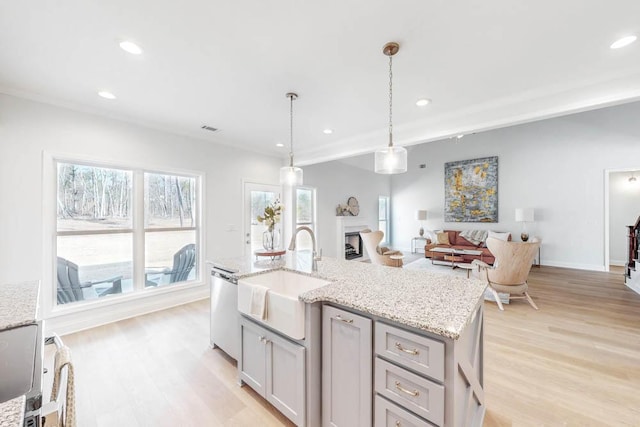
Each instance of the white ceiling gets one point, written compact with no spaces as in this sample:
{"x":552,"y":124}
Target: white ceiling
{"x":228,"y":64}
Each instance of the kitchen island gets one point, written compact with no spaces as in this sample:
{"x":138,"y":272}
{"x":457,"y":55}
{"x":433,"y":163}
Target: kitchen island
{"x":18,"y":307}
{"x":421,"y":338}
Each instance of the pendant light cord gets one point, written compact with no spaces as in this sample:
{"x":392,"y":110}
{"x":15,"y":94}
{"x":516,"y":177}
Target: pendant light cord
{"x":390,"y":101}
{"x":291,"y":132}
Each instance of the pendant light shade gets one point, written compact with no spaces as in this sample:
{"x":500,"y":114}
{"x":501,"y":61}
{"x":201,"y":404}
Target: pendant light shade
{"x":291,"y":175}
{"x":392,"y":159}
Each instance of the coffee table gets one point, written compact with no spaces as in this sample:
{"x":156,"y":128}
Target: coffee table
{"x":453,"y":256}
{"x":466,"y":266}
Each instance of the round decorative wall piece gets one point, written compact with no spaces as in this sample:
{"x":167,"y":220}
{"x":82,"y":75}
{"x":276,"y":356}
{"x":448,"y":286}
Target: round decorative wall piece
{"x":354,"y":207}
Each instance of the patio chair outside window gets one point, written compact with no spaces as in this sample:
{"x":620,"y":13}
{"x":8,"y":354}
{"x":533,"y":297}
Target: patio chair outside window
{"x":183,"y":262}
{"x":70,"y":289}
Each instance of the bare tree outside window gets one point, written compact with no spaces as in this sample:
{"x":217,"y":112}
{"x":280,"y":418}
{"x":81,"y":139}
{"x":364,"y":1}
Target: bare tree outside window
{"x":95,"y":230}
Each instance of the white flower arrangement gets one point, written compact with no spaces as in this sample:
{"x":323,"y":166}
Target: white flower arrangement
{"x":271,"y":215}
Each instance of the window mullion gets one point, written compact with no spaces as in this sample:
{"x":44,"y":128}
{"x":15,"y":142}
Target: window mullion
{"x":138,"y":230}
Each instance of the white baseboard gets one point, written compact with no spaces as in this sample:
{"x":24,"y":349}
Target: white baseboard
{"x":617,"y":262}
{"x":68,"y":323}
{"x":575,"y":266}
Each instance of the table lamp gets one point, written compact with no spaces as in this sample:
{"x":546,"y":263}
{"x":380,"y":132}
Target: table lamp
{"x":421,"y":215}
{"x":524,"y":215}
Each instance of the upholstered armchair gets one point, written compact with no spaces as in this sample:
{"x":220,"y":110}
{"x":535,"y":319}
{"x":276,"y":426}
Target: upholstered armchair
{"x":379,"y":254}
{"x":510,"y":269}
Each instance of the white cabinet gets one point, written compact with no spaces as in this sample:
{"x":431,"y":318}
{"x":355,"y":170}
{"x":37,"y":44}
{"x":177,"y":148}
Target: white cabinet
{"x":424,"y":394}
{"x":421,"y":379}
{"x":275,"y":368}
{"x":389,"y":415}
{"x":410,"y":391}
{"x":346,"y":369}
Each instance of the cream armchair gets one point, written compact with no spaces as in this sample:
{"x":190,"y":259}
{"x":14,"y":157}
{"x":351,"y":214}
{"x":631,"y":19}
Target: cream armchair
{"x":511,"y":268}
{"x":379,"y":254}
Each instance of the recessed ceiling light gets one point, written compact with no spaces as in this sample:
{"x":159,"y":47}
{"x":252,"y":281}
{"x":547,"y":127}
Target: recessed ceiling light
{"x":280,"y":144}
{"x":422,"y":102}
{"x":131,"y":47}
{"x":625,"y":41}
{"x":107,"y":95}
{"x":327,"y":131}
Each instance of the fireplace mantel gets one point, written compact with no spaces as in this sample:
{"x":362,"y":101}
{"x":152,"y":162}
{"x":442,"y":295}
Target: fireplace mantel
{"x":349,"y":224}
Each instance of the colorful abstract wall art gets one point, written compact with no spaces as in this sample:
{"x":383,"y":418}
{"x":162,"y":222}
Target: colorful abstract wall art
{"x":471,"y":190}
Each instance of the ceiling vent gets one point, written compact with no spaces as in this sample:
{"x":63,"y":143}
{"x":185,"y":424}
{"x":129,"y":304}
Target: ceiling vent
{"x":209,"y":128}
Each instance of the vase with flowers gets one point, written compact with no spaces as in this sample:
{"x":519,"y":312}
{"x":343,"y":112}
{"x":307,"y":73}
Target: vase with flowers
{"x":270,"y":217}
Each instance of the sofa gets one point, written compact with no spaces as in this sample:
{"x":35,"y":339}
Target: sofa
{"x":458,"y":242}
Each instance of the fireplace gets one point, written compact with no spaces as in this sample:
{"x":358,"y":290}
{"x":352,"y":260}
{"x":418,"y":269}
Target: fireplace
{"x":348,"y":230}
{"x":352,"y":245}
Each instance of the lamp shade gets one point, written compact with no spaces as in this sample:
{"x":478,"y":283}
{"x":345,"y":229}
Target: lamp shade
{"x":391,"y":160}
{"x":421,"y":215}
{"x":524,"y":215}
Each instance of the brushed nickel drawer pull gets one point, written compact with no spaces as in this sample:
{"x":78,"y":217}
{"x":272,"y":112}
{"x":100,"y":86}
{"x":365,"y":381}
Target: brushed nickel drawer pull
{"x":338,"y":317}
{"x":413,"y":352}
{"x":413,"y":393}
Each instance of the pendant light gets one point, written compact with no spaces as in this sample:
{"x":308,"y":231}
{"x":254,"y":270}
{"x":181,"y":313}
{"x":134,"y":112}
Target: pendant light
{"x":291,"y":175}
{"x":392,"y":159}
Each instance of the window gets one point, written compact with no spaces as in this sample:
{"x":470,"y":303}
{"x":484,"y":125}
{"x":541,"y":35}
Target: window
{"x":305,"y":215}
{"x":383,"y":217}
{"x":170,"y":229}
{"x":103,"y":248}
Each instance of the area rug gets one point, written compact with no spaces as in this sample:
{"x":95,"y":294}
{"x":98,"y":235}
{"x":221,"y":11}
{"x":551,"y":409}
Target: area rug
{"x":426,"y":265}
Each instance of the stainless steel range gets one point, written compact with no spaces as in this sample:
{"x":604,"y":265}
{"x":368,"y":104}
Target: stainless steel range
{"x":21,"y":369}
{"x":22,"y":372}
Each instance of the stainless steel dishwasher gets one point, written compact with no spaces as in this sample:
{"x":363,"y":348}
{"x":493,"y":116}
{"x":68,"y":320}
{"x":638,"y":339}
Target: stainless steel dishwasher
{"x":225,"y":320}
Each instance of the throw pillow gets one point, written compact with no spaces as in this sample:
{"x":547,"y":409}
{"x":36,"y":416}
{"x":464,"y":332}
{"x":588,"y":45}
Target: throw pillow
{"x":390,"y":252}
{"x":432,"y":235}
{"x":382,"y":249}
{"x":500,"y":236}
{"x":443,"y":238}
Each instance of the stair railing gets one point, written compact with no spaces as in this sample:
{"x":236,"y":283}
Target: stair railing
{"x":632,"y":256}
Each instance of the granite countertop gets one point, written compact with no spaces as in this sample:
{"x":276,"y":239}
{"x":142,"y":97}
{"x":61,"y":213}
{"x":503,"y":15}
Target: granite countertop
{"x":18,"y":306}
{"x":433,"y":302}
{"x":12,"y":412}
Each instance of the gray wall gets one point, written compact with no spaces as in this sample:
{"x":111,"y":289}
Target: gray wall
{"x":556,"y":166}
{"x":335,"y":182}
{"x":624,"y":209}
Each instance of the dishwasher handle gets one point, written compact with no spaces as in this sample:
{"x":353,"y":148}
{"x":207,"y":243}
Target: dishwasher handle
{"x":224,"y":275}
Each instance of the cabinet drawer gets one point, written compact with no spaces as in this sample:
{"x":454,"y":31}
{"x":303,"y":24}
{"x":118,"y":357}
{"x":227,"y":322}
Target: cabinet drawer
{"x":419,"y":395}
{"x":416,"y":352}
{"x":388,"y":414}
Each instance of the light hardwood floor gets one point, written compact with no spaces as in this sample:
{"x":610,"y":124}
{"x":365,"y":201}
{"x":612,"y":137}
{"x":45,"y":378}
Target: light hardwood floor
{"x":575,"y":362}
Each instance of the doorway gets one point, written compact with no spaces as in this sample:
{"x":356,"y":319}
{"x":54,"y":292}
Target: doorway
{"x":622,"y":207}
{"x":256,"y":198}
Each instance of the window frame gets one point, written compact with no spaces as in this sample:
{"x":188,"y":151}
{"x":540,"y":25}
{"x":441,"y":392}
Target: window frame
{"x":50,"y":307}
{"x":387,"y":231}
{"x":314,"y":219}
{"x":313,"y":224}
